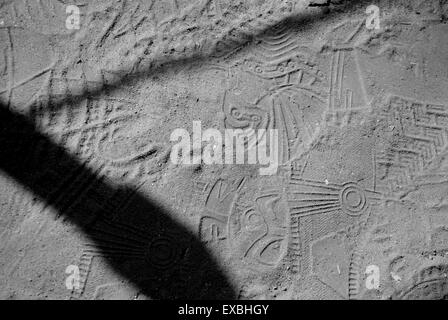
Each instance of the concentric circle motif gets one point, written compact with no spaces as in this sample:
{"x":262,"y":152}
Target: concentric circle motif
{"x":162,"y":253}
{"x":352,"y":199}
{"x":253,"y":220}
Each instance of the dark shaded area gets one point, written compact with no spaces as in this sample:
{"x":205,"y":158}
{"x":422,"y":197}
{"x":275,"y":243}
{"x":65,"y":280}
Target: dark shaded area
{"x":142,"y":242}
{"x":138,"y":238}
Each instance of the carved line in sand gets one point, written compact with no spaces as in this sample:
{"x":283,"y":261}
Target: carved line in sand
{"x":10,"y":66}
{"x":311,"y":197}
{"x":291,"y":79}
{"x":260,"y":231}
{"x":430,"y":283}
{"x":255,"y":232}
{"x":90,"y":127}
{"x":213,"y":225}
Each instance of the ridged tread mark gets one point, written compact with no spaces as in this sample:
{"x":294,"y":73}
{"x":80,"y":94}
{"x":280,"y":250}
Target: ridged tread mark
{"x":354,"y":276}
{"x":423,"y":129}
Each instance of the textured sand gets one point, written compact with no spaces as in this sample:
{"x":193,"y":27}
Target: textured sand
{"x":86,"y":178}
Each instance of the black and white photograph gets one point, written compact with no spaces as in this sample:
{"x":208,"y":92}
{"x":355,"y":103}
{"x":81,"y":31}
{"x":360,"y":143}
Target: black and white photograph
{"x":224,"y":150}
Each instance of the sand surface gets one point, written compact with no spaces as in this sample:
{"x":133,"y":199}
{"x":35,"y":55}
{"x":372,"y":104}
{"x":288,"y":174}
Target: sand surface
{"x":93,"y":207}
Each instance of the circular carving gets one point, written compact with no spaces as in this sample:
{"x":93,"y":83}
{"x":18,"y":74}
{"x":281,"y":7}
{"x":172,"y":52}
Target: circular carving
{"x":352,"y":199}
{"x":253,"y":220}
{"x":162,"y":253}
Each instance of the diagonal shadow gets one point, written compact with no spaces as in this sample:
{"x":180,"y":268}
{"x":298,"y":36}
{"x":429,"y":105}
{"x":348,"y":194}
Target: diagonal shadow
{"x":138,"y":238}
{"x":142,"y":244}
{"x":226,"y":45}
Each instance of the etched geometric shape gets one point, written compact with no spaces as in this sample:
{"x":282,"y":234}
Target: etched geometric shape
{"x":258,"y":230}
{"x":423,"y":138}
{"x":213,"y":225}
{"x":315,"y":197}
{"x":347,"y":91}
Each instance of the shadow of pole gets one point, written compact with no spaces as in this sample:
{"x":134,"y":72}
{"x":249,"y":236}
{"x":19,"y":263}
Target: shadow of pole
{"x":143,"y":244}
